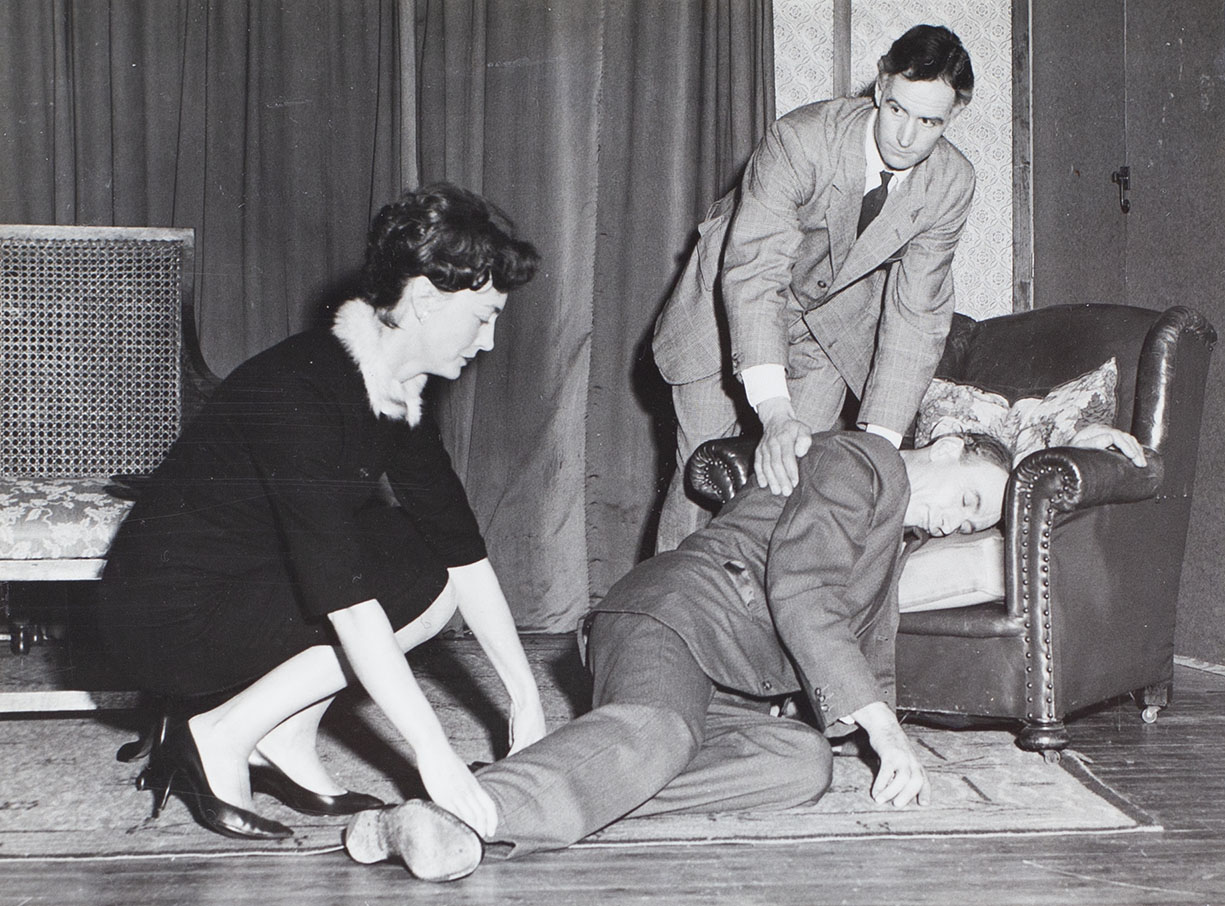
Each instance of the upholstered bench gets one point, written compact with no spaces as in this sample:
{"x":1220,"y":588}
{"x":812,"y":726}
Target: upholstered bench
{"x":71,"y":521}
{"x":101,"y":368}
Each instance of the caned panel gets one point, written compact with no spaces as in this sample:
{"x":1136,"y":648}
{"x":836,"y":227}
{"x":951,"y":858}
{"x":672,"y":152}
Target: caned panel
{"x":90,"y":345}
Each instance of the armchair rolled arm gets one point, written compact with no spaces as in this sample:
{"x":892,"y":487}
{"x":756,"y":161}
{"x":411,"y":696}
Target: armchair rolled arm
{"x":1046,"y":484}
{"x":721,"y":467}
{"x":1072,"y":478}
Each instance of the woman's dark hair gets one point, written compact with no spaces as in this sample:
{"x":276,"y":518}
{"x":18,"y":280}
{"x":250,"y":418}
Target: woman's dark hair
{"x":929,"y":52}
{"x":449,"y":235}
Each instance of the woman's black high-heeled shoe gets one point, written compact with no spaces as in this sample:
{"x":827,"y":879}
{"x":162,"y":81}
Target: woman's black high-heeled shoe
{"x":175,"y":767}
{"x":274,"y":782}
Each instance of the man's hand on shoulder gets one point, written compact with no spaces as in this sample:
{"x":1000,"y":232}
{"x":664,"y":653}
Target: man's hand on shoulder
{"x":784,"y":440}
{"x":901,"y":777}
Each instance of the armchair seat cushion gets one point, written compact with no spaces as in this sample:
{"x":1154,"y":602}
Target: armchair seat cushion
{"x":58,"y":519}
{"x":954,"y":571}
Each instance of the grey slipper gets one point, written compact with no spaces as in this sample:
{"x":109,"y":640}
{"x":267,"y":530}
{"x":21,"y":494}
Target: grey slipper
{"x":433,"y":844}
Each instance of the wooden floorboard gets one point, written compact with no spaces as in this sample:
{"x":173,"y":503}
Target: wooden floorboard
{"x":1174,"y":769}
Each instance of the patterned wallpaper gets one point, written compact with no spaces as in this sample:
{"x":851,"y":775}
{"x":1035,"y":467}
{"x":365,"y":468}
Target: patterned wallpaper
{"x":803,"y":59}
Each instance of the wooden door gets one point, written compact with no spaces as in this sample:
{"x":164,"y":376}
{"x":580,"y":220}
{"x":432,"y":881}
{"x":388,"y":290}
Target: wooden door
{"x":1078,"y":134}
{"x":1176,"y":249}
{"x":1176,"y":149}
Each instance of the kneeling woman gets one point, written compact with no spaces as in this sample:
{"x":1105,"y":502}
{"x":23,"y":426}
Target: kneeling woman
{"x":264,"y":563}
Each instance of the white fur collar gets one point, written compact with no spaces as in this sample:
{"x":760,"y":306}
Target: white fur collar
{"x":357,"y":327}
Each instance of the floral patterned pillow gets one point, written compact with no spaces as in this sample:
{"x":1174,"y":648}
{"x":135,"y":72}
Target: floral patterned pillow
{"x":952,"y":408}
{"x":1026,"y":425}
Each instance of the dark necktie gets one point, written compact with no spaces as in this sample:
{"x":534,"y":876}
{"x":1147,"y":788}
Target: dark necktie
{"x":874,"y":201}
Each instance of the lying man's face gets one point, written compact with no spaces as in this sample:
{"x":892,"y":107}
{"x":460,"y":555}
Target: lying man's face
{"x":950,"y":492}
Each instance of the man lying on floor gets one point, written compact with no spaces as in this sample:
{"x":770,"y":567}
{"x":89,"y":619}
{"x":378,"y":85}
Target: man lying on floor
{"x":776,"y":595}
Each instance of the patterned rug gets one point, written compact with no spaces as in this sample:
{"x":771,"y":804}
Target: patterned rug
{"x":64,"y":795}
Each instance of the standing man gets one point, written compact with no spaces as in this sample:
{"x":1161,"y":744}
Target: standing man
{"x":831,"y":271}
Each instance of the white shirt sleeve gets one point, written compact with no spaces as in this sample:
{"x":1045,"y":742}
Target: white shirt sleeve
{"x":887,"y":433}
{"x":763,"y":382}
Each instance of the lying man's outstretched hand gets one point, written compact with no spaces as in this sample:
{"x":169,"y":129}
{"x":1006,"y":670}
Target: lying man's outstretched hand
{"x":901,"y":777}
{"x":1103,"y":437}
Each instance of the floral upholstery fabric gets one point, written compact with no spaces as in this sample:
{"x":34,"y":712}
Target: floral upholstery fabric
{"x":58,"y":519}
{"x":1028,"y":424}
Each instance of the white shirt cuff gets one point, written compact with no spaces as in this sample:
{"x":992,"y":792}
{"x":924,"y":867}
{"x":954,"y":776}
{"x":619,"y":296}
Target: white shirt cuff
{"x":888,"y":434}
{"x":763,"y":382}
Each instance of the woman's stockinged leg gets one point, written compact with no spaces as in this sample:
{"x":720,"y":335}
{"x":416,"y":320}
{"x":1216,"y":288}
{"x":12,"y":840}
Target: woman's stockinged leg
{"x":279,"y":714}
{"x":292,"y":744}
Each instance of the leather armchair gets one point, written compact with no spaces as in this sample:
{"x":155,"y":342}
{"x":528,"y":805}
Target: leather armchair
{"x":1093,"y":545}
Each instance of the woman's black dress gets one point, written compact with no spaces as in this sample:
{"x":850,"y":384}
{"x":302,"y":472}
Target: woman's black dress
{"x":267,"y":514}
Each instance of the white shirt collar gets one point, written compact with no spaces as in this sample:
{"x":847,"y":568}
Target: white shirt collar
{"x":873,"y":163}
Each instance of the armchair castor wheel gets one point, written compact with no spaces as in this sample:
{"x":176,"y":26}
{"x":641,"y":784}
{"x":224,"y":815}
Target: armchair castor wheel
{"x":1153,"y":700}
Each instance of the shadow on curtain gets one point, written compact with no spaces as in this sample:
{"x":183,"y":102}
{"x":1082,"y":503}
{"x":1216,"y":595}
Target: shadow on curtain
{"x":605,"y":128}
{"x":272,"y":129}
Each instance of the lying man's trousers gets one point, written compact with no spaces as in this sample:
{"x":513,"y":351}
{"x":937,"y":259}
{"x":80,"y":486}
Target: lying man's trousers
{"x":660,"y":739}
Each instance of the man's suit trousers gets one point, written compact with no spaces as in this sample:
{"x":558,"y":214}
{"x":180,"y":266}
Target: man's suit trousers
{"x":660,"y":738}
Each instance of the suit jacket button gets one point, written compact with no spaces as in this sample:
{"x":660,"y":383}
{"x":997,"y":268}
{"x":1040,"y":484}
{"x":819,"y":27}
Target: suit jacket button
{"x":767,"y":685}
{"x":822,"y":284}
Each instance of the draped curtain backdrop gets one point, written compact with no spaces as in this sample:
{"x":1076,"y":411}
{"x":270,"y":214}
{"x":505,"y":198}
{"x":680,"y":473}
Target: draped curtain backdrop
{"x":604,"y":128}
{"x":275,"y":129}
{"x":272,"y":129}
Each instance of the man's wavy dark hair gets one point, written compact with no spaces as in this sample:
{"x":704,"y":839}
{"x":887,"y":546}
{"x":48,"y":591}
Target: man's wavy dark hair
{"x":929,"y":52}
{"x":449,"y":235}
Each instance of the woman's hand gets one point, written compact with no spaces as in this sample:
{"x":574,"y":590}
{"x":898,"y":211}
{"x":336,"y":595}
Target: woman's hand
{"x":1103,"y":437}
{"x":374,"y":654}
{"x":483,"y":607}
{"x":452,"y":786}
{"x":526,"y":725}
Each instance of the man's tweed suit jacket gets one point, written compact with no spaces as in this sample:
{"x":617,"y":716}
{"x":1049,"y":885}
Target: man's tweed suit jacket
{"x":792,"y":271}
